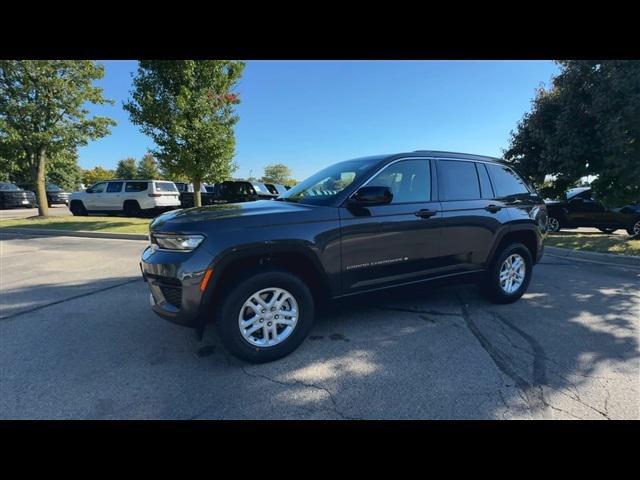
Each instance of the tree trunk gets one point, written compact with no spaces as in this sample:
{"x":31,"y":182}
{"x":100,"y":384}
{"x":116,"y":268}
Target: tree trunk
{"x":41,"y":191}
{"x":197,"y":199}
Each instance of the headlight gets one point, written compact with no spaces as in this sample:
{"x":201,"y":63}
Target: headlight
{"x":168,"y":241}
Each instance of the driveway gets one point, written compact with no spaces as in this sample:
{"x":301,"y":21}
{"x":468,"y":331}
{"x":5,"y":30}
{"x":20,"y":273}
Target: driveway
{"x":78,"y":341}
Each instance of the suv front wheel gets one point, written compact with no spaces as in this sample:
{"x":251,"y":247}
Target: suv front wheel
{"x":509,"y":275}
{"x":265,"y":317}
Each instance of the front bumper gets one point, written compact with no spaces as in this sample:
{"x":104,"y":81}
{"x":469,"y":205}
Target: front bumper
{"x":174,"y":280}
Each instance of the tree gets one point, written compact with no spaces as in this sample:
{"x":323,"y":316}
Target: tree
{"x":127,"y":168}
{"x":147,"y":168}
{"x":42,"y":111}
{"x":587,"y":123}
{"x":278,"y":173}
{"x":187,"y":108}
{"x":96,"y":174}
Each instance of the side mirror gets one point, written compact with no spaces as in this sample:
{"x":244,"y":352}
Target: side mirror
{"x":88,"y":190}
{"x":371,"y":196}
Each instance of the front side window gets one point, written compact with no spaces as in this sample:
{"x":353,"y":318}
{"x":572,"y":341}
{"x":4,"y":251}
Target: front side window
{"x":98,"y":188}
{"x":135,"y":186}
{"x":458,"y":180}
{"x":409,"y":181}
{"x":505,"y":181}
{"x":114,"y":187}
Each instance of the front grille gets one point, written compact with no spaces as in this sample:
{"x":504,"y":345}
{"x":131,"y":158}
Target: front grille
{"x":172,"y":295}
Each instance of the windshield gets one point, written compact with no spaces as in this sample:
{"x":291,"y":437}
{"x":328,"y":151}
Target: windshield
{"x":322,"y":188}
{"x":7,"y":187}
{"x":52,"y":188}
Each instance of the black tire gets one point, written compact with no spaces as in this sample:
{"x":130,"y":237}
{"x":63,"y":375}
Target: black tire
{"x":607,"y":230}
{"x":490,"y":285}
{"x":634,"y":228}
{"x":77,"y":208}
{"x":553,"y":224}
{"x":131,"y":208}
{"x":227,"y":315}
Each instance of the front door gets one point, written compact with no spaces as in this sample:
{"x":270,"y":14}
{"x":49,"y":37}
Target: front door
{"x":397,"y":242}
{"x":95,"y":198}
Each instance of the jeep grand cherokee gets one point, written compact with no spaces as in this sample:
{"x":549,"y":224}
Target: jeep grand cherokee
{"x":257,"y":270}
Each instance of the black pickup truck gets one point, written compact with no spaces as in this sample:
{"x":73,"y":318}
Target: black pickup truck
{"x":232,"y":191}
{"x":258,"y":269}
{"x":13,"y":196}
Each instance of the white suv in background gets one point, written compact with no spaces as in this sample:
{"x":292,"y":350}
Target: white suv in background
{"x":133,"y":197}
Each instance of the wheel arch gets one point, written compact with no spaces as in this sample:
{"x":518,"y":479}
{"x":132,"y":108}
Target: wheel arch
{"x":296,"y":260}
{"x":527,"y":236}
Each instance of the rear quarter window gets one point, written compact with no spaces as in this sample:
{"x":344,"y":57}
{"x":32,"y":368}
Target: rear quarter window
{"x":506,"y":182}
{"x":136,"y":186}
{"x":165,"y":187}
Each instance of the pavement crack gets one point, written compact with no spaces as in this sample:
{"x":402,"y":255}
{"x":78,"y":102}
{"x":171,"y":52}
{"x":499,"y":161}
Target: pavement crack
{"x":415,"y":310}
{"x":74,"y":297}
{"x":308,"y":385}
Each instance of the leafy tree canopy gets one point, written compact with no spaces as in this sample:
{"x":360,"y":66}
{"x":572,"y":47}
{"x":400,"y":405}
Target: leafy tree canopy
{"x":187,"y":108}
{"x":148,"y":168}
{"x":278,"y":173}
{"x":43,"y":111}
{"x":586,"y":123}
{"x":97,"y":174}
{"x":127,"y":169}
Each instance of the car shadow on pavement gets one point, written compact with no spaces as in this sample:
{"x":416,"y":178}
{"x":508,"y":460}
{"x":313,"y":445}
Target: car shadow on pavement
{"x":567,"y":349}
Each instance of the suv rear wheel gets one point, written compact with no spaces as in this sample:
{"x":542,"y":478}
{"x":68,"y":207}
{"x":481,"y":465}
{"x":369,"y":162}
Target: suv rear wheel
{"x":265,"y":317}
{"x":553,"y":224}
{"x":634,"y":228}
{"x":131,"y":208}
{"x":77,"y":208}
{"x":509,"y":275}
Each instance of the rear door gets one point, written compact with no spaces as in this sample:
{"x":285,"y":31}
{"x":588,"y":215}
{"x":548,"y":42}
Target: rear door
{"x":113,"y":196}
{"x":472,"y":214}
{"x":395,"y":243}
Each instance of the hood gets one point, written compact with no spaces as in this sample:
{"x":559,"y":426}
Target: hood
{"x":240,"y":215}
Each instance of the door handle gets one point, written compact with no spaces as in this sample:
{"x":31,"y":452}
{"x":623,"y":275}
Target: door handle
{"x":425,"y":213}
{"x":493,"y":208}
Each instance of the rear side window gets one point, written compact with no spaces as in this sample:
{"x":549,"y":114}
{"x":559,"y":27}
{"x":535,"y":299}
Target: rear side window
{"x":135,"y":186}
{"x":114,"y":187}
{"x":165,"y":187}
{"x":271,"y":188}
{"x":485,"y":183}
{"x":505,"y":181}
{"x":458,"y":180}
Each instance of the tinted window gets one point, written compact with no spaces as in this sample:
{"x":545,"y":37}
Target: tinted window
{"x":505,"y":182}
{"x":135,"y":186}
{"x":271,"y":188}
{"x":8,"y":187}
{"x":409,"y":181}
{"x":458,"y":180}
{"x":98,"y":187}
{"x":114,"y":187}
{"x":165,"y":187}
{"x":485,"y":183}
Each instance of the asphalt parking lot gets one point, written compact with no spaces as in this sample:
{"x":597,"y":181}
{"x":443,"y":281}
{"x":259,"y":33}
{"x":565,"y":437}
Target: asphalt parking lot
{"x":55,"y":210}
{"x":78,"y":340}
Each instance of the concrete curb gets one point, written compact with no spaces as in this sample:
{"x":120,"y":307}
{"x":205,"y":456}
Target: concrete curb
{"x":593,"y":257}
{"x":68,"y":233}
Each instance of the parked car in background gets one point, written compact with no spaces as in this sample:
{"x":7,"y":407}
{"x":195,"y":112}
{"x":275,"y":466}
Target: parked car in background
{"x":55,"y":195}
{"x":257,"y":269}
{"x":276,"y":188}
{"x":186,"y":190}
{"x":132,"y":197}
{"x":263,"y":192}
{"x":13,"y":196}
{"x":581,"y":208}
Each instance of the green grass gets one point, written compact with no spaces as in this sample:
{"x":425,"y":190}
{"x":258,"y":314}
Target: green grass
{"x":87,"y":224}
{"x":594,"y":242}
